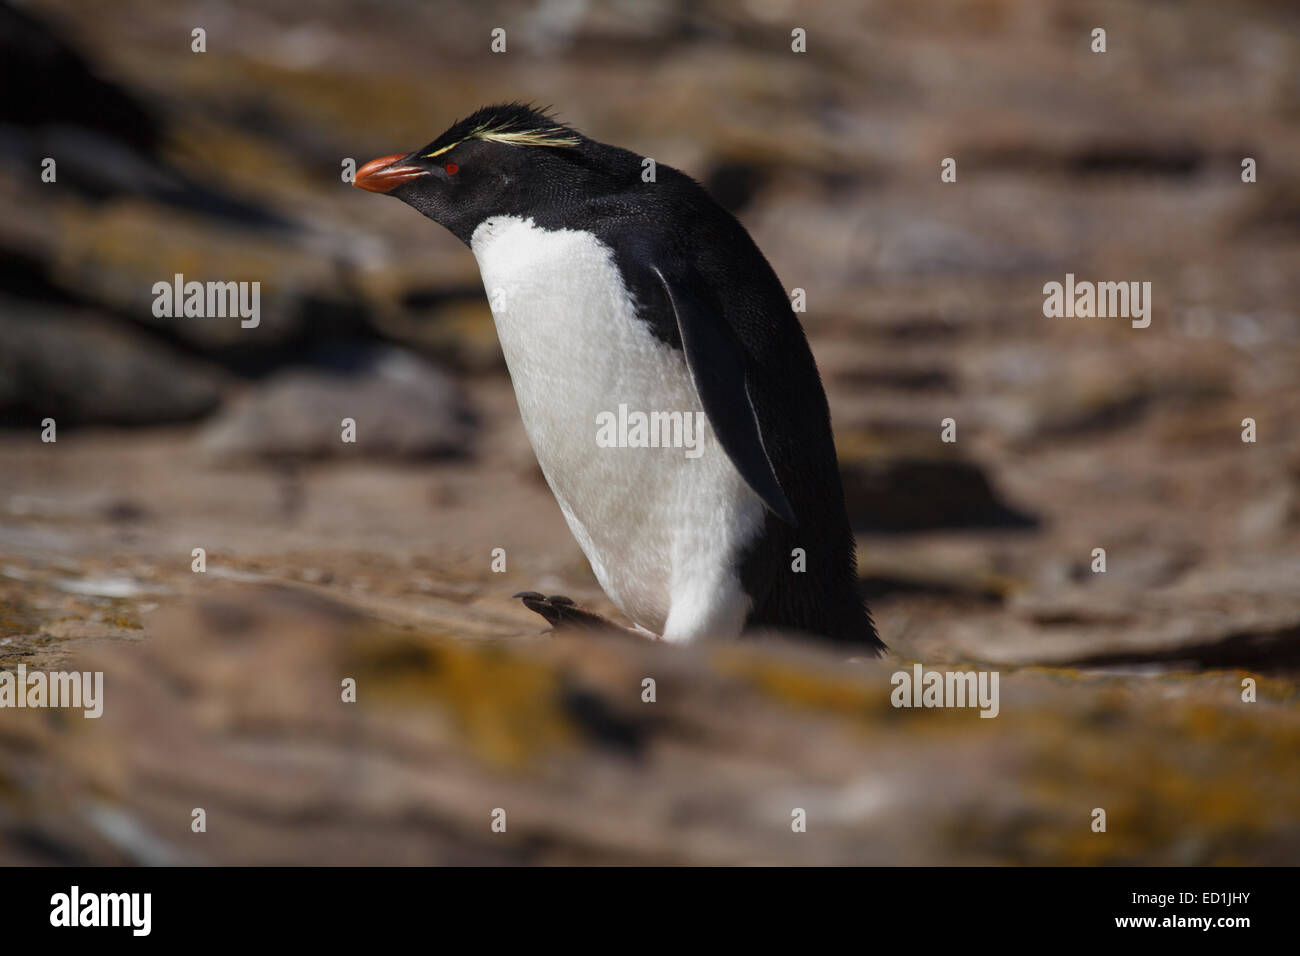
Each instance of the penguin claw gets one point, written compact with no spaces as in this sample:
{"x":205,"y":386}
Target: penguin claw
{"x":564,"y":615}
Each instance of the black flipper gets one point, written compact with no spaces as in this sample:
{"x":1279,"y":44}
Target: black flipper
{"x":717,"y":364}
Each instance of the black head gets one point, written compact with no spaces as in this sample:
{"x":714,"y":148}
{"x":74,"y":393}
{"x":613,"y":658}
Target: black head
{"x":502,"y":160}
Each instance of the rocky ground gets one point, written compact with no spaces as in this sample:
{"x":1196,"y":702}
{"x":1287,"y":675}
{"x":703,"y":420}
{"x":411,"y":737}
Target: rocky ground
{"x":1120,"y":690}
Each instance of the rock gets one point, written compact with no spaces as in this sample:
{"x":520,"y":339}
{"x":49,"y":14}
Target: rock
{"x":1066,"y":408}
{"x":917,"y":246}
{"x":444,"y":730}
{"x":885,"y":575}
{"x":63,"y":87}
{"x":110,"y":586}
{"x":403,"y":407}
{"x":79,"y":371}
{"x":455,"y":331}
{"x":1273,"y":517}
{"x":907,"y":493}
{"x":1100,"y":395}
{"x":115,"y":256}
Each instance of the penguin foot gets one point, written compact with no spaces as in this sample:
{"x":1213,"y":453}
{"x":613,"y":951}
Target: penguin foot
{"x":564,"y":615}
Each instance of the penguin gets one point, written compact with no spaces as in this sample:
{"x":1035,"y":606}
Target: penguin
{"x":623,"y":293}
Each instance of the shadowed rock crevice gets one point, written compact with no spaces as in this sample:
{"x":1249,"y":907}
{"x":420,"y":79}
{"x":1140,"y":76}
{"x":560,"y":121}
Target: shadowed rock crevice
{"x":1270,"y":651}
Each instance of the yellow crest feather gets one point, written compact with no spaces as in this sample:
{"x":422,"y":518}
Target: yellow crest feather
{"x":557,"y":136}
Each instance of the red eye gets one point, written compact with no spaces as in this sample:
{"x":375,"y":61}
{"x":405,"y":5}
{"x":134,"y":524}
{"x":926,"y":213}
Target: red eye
{"x":452,"y":169}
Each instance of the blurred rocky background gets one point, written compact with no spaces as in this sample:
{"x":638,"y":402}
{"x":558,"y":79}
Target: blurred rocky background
{"x":1119,"y":690}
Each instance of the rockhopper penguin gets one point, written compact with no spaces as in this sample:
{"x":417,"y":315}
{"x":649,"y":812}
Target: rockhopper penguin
{"x":609,"y":291}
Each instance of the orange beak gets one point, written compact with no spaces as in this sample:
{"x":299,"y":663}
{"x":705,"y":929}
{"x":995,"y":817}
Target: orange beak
{"x":381,"y":176}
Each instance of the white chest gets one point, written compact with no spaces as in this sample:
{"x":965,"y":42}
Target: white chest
{"x":661,"y":528}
